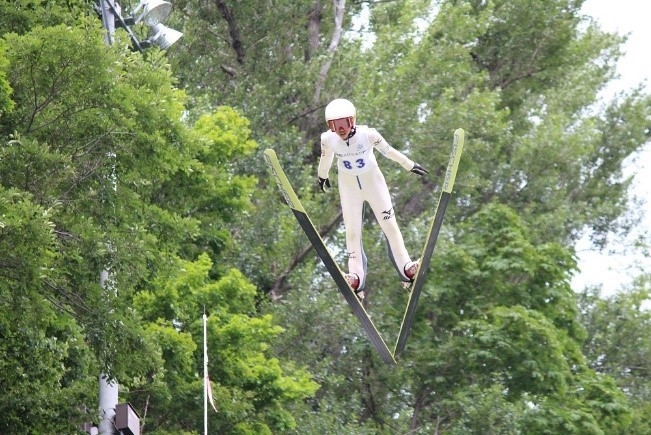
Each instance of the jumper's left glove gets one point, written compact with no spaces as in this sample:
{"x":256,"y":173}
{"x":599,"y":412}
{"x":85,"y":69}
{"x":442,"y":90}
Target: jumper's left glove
{"x":419,"y":170}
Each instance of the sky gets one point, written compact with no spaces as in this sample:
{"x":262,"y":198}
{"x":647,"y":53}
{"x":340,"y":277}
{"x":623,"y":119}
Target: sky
{"x":615,"y":268}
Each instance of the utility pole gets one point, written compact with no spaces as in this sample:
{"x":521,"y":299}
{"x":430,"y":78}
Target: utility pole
{"x":154,"y":11}
{"x":108,"y":391}
{"x":108,"y":18}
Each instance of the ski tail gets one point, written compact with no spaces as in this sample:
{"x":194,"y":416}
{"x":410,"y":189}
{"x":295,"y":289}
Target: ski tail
{"x":430,"y":243}
{"x":455,"y":158}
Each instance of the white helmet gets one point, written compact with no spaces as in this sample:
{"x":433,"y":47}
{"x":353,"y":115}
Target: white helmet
{"x":340,"y":108}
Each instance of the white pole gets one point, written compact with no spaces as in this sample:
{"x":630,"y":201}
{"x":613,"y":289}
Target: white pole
{"x":108,"y":391}
{"x":108,"y":18}
{"x":108,"y":400}
{"x":205,"y":376}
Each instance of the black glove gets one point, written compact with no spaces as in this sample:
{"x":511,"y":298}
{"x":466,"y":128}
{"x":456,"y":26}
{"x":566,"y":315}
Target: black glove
{"x":323,"y":183}
{"x":419,"y":170}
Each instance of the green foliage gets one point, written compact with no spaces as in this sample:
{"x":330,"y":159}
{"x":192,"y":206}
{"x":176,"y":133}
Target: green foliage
{"x":619,"y":343}
{"x":251,"y":389}
{"x":26,"y":239}
{"x":20,"y":16}
{"x":517,"y":347}
{"x":119,"y":162}
{"x":101,"y":175}
{"x":44,"y":361}
{"x":484,"y":410}
{"x":6,"y":103}
{"x":499,"y":265}
{"x":219,"y":189}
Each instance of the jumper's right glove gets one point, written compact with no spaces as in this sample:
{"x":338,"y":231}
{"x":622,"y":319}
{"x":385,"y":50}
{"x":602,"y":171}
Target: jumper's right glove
{"x":323,"y":183}
{"x":419,"y":170}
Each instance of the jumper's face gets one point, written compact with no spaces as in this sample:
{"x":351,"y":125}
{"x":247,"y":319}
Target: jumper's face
{"x":341,"y":126}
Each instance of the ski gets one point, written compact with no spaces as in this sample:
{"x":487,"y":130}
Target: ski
{"x":319,"y":246}
{"x":428,"y":250}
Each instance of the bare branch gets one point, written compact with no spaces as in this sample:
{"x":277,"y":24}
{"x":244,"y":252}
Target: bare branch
{"x":279,"y":288}
{"x":233,"y":31}
{"x":339,"y":6}
{"x":314,"y":29}
{"x":228,"y":70}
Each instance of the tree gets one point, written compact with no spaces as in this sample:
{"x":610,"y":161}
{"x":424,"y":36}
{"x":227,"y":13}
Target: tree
{"x":618,"y":343}
{"x":160,"y":181}
{"x":523,"y":82}
{"x":100,"y":171}
{"x":44,"y":361}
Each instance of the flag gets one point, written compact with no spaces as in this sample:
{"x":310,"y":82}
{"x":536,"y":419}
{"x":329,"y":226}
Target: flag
{"x":206,"y":380}
{"x":209,"y":392}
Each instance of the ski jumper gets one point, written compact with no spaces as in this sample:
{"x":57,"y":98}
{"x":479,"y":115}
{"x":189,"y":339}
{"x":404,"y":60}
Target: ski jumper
{"x":360,"y":180}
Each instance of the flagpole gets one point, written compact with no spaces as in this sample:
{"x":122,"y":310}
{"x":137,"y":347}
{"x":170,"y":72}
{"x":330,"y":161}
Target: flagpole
{"x":205,"y":376}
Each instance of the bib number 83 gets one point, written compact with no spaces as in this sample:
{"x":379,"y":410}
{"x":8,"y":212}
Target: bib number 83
{"x":359,"y":163}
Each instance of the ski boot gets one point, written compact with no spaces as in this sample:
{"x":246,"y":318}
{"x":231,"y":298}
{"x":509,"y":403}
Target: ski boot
{"x":411,"y":269}
{"x":353,"y":282}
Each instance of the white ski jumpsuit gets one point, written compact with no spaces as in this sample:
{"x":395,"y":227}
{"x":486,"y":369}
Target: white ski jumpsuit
{"x":360,"y":180}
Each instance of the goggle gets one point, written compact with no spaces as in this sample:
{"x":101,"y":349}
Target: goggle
{"x":336,"y":124}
